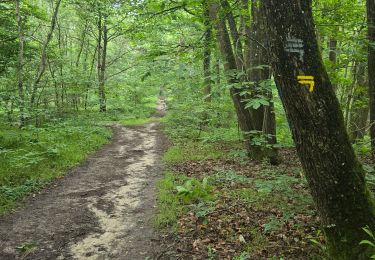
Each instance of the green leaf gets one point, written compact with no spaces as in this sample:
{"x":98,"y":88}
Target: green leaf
{"x":367,"y":242}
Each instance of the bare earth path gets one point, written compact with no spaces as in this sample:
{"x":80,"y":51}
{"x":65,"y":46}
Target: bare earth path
{"x":100,"y":210}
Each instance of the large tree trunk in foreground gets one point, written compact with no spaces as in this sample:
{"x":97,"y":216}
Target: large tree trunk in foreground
{"x":371,"y":69}
{"x":335,"y":177}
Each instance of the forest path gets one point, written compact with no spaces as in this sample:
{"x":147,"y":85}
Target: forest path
{"x":100,"y":210}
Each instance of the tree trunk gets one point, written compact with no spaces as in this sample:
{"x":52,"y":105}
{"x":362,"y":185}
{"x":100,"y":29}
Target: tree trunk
{"x":349,"y":96}
{"x":21,"y":39}
{"x":335,"y":177}
{"x":333,"y":51}
{"x":230,"y":66}
{"x":82,"y":45}
{"x":257,"y":67}
{"x":332,"y":47}
{"x":102,"y":56}
{"x":360,"y":108}
{"x":43,"y":59}
{"x":237,"y":44}
{"x":207,"y":55}
{"x":371,"y":69}
{"x":57,"y":103}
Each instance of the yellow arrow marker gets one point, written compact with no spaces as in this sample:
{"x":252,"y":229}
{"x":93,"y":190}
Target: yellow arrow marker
{"x":307,"y":80}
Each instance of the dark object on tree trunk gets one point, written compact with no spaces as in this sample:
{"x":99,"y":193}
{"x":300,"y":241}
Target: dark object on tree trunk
{"x":336,"y":178}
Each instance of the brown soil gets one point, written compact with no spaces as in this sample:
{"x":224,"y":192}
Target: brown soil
{"x":100,"y":210}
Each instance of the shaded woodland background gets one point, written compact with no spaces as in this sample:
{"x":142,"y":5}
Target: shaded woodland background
{"x":69,"y":67}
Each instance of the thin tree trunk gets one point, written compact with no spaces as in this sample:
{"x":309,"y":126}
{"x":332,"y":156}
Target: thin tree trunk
{"x":42,"y":65}
{"x":243,"y":115}
{"x":360,"y":108}
{"x":102,"y":55}
{"x":83,"y":39}
{"x":57,"y":103}
{"x":371,"y":69}
{"x":350,"y":93}
{"x":20,"y":64}
{"x":332,"y":48}
{"x":238,"y":53}
{"x":335,"y":177}
{"x":207,"y":55}
{"x":332,"y":51}
{"x":91,"y":72}
{"x":218,"y":74}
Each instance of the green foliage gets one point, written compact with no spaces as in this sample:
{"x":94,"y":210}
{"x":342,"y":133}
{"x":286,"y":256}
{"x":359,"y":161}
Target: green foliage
{"x":273,"y":188}
{"x":31,"y":157}
{"x":175,"y":191}
{"x":168,"y":204}
{"x":12,"y":194}
{"x":242,"y":256}
{"x":318,"y":243}
{"x":229,"y":176}
{"x":204,"y":208}
{"x":275,"y":224}
{"x":26,"y":248}
{"x":194,"y":190}
{"x":369,"y":243}
{"x":363,"y":146}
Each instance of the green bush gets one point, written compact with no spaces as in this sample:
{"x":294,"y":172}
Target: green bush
{"x":194,"y":191}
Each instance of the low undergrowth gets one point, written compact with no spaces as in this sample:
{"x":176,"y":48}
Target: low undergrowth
{"x":31,"y":157}
{"x":213,"y":203}
{"x":248,"y":210}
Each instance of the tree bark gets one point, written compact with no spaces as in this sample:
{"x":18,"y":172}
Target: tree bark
{"x":335,"y":177}
{"x":237,"y":43}
{"x":333,"y":50}
{"x":256,"y":61}
{"x":332,"y":45}
{"x":360,"y":108}
{"x":102,"y":56}
{"x":207,"y":55}
{"x":371,"y":69}
{"x":43,"y":59}
{"x":230,"y":66}
{"x":349,"y":96}
{"x":21,"y":40}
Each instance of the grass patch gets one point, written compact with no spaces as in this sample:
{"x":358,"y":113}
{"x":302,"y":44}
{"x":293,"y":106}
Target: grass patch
{"x":258,"y":242}
{"x":168,"y":204}
{"x":31,"y":157}
{"x":175,"y":192}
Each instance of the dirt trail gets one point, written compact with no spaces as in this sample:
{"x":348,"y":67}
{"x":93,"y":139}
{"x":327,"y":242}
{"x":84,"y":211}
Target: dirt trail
{"x":100,"y":210}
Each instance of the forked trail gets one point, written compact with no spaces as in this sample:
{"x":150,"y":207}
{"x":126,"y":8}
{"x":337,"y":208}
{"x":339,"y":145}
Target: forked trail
{"x":101,"y":210}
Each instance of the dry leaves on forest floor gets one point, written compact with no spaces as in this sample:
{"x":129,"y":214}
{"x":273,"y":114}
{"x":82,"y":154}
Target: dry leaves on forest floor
{"x":275,"y":224}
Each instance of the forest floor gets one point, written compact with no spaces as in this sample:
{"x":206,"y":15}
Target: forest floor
{"x":100,"y":210}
